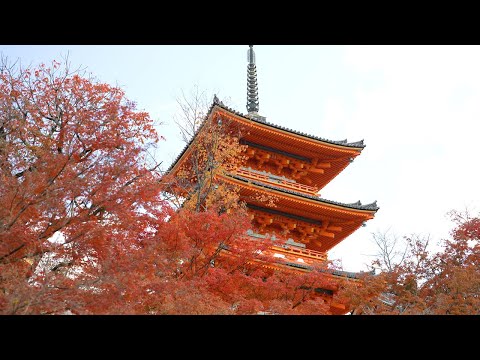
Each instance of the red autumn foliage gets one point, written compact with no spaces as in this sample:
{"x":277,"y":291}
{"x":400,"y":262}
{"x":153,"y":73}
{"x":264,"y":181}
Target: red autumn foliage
{"x":72,"y":161}
{"x":428,"y":283}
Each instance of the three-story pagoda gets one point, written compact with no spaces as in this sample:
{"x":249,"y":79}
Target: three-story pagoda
{"x":293,"y":167}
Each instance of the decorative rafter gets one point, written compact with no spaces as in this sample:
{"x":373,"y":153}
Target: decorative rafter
{"x":278,"y":163}
{"x":302,"y":229}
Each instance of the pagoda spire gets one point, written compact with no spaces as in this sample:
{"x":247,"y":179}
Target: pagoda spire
{"x":252,"y":86}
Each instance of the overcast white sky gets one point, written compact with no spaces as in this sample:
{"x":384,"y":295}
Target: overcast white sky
{"x":416,"y":107}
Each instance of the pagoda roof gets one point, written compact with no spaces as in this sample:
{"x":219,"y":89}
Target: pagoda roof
{"x":357,"y":145}
{"x":356,"y":205}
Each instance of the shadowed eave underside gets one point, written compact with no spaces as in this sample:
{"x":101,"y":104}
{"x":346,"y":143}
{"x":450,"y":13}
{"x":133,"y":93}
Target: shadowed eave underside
{"x":356,"y":205}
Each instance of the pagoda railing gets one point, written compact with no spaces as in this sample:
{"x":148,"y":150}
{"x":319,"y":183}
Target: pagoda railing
{"x":310,"y":257}
{"x":289,"y":248}
{"x":284,"y":183}
{"x":317,"y":255}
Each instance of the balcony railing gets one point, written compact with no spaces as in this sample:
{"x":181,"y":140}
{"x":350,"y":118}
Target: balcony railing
{"x":288,"y":247}
{"x":317,"y":255}
{"x":274,"y":180}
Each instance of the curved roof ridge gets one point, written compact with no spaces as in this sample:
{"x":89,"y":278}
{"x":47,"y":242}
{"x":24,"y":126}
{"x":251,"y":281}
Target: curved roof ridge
{"x":349,"y":274}
{"x":357,"y":143}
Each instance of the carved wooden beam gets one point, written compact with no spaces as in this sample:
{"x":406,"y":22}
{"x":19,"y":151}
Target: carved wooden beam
{"x":326,"y":233}
{"x":334,"y":228}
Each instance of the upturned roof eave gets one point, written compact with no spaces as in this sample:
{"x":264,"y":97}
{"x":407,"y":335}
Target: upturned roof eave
{"x":372,"y":207}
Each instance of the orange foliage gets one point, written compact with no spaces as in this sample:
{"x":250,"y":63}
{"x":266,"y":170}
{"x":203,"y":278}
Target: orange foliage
{"x":72,"y":161}
{"x":442,"y":283}
{"x":214,"y":150}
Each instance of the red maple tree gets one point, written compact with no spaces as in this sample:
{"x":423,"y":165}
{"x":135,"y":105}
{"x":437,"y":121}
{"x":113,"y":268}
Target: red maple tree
{"x":426,"y":282}
{"x":72,"y":163}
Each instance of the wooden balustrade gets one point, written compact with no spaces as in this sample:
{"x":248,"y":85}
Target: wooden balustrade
{"x":283,"y":183}
{"x":317,"y":255}
{"x":287,"y":248}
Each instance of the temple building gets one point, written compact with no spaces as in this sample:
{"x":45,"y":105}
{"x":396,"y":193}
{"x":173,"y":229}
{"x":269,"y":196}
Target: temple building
{"x":293,"y":167}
